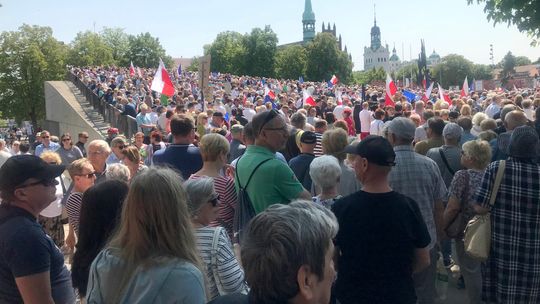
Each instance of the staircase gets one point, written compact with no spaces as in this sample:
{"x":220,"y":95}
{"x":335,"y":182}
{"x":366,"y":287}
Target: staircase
{"x":89,"y":113}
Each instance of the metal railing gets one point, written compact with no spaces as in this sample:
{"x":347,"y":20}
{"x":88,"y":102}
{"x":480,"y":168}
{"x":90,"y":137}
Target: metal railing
{"x":125,"y":124}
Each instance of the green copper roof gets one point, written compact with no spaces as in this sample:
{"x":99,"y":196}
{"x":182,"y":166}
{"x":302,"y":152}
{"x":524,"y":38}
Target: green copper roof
{"x":308,"y":14}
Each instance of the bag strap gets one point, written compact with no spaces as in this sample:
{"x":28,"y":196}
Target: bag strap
{"x":498,"y":179}
{"x":250,"y":176}
{"x":445,"y":161}
{"x":213,"y":260}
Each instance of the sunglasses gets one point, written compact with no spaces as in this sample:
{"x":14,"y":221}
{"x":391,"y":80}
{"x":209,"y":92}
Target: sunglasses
{"x":214,"y":201}
{"x":89,"y":175}
{"x":121,"y":147}
{"x":66,"y":139}
{"x":44,"y":182}
{"x":45,"y":136}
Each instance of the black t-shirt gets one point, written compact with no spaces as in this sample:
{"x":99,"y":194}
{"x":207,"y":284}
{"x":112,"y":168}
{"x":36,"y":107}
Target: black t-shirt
{"x":378,"y":233}
{"x":25,"y":250}
{"x":300,"y":166}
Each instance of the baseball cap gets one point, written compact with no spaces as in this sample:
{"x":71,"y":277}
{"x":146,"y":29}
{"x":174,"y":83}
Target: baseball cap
{"x":452,"y":131}
{"x":402,"y":127}
{"x":308,"y":137}
{"x":376,"y":149}
{"x":19,"y":168}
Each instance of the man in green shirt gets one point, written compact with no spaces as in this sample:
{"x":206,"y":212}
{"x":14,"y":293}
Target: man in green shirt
{"x":273,"y":182}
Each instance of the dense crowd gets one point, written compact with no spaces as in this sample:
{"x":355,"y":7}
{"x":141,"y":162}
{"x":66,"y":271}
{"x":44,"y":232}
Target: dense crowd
{"x":259,"y":195}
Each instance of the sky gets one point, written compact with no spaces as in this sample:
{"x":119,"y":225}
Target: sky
{"x":184,"y":27}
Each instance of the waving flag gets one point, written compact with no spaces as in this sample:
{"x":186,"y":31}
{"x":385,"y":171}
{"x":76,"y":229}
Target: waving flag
{"x":139,"y":72}
{"x":334,"y":79}
{"x":179,"y":70}
{"x":269,"y":96}
{"x":308,"y":99}
{"x":443,"y":96}
{"x":465,"y":88}
{"x":427,"y":95}
{"x":301,"y":80}
{"x":391,"y":90}
{"x":131,"y":70}
{"x":409,"y":95}
{"x":162,"y":82}
{"x":330,"y":84}
{"x":339,"y":97}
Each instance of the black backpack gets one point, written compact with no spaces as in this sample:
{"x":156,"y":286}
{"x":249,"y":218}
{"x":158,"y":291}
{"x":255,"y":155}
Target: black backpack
{"x":244,"y":209}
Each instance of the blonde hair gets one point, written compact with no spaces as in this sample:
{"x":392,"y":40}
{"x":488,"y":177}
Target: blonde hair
{"x":77,"y":166}
{"x":132,"y":153}
{"x":213,"y":144}
{"x":479,"y":152}
{"x":478,"y":118}
{"x":334,"y":142}
{"x":155,"y":225}
{"x":51,"y":157}
{"x":466,"y":110}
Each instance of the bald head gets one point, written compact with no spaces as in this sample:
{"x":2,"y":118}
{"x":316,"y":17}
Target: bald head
{"x":515,"y":119}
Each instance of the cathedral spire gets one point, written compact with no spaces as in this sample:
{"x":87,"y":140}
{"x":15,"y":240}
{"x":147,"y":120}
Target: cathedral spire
{"x":374,"y":15}
{"x":308,"y":21}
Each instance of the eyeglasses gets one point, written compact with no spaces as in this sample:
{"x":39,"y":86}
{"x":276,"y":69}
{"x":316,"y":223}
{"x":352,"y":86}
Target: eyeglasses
{"x":66,"y":139}
{"x":273,"y":113}
{"x":88,"y":175}
{"x":45,"y":136}
{"x":214,"y":201}
{"x":121,"y":147}
{"x":44,"y":182}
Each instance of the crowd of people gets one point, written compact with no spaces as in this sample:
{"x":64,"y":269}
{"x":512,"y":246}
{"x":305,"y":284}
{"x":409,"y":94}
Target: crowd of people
{"x":249,"y":199}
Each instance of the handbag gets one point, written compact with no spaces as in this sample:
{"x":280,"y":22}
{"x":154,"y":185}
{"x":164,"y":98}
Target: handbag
{"x":457,"y":227}
{"x":477,"y":240}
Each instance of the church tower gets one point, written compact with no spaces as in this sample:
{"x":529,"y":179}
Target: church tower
{"x":308,"y":21}
{"x":376,"y":55}
{"x":375,"y":34}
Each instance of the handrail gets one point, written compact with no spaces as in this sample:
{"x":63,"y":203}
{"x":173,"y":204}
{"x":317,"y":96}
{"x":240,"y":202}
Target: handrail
{"x":125,"y":124}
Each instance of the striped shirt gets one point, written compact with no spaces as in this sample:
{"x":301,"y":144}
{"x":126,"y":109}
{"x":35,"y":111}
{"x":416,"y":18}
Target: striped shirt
{"x":229,"y":271}
{"x":318,"y":146}
{"x":73,"y":208}
{"x":224,"y":186}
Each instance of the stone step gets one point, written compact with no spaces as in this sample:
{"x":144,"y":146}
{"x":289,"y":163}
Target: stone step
{"x":91,"y":115}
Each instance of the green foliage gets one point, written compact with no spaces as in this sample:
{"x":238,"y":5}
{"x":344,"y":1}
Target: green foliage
{"x":537,"y":61}
{"x":228,"y":53}
{"x":28,"y":57}
{"x":482,"y":72}
{"x":525,"y":14}
{"x":508,"y":64}
{"x":291,"y":62}
{"x":261,"y":47}
{"x":89,"y":49}
{"x":522,"y":60}
{"x":194,"y":67}
{"x":408,"y":71}
{"x":324,"y":59}
{"x":367,"y":77}
{"x":145,"y":51}
{"x":452,"y":70}
{"x":118,"y":41}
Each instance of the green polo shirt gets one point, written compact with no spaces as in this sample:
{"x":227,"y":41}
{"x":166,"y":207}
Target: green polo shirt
{"x":273,"y":182}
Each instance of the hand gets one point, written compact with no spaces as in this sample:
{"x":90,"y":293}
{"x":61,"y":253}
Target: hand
{"x":229,"y":171}
{"x":70,"y":241}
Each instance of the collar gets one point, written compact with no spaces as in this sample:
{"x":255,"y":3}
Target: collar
{"x":260,"y":149}
{"x":10,"y":211}
{"x":404,"y":148}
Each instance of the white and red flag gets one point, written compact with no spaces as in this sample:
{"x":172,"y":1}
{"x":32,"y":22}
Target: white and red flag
{"x":443,"y":96}
{"x":308,"y":99}
{"x":131,"y":70}
{"x":391,"y":90}
{"x":334,"y":79}
{"x":465,"y":88}
{"x":427,"y":95}
{"x":162,"y":82}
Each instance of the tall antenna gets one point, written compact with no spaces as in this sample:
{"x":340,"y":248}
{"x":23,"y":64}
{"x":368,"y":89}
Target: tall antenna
{"x":374,"y":14}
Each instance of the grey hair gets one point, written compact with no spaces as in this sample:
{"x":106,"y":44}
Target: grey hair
{"x":199,"y":191}
{"x":325,"y":171}
{"x":118,"y":172}
{"x":298,"y":120}
{"x":103,"y":145}
{"x":280,"y":240}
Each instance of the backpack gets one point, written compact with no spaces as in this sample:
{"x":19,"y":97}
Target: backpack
{"x":244,"y":209}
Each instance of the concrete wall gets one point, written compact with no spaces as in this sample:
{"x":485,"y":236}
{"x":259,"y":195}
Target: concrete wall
{"x":61,"y":107}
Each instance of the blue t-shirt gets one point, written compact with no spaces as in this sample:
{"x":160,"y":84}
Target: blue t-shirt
{"x":185,"y":158}
{"x":25,"y":250}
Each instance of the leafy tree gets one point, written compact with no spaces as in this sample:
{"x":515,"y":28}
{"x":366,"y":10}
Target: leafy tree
{"x":118,"y":41}
{"x":194,"y":67}
{"x":408,"y":71}
{"x":324,"y":59}
{"x":522,"y":60}
{"x":28,"y":57}
{"x":482,"y":72}
{"x":508,"y":64}
{"x":146,"y":50}
{"x":537,"y":61}
{"x":261,"y":48}
{"x":228,"y":53}
{"x":524,"y":14}
{"x":367,"y":77}
{"x":87,"y":49}
{"x":452,"y":70}
{"x":291,"y":62}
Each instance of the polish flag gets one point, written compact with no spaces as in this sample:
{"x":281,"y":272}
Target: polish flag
{"x":334,"y":79}
{"x":162,"y":82}
{"x":465,"y":88}
{"x":427,"y":95}
{"x":391,"y":90}
{"x":139,"y":72}
{"x":131,"y":70}
{"x":443,"y":96}
{"x":339,"y":97}
{"x":308,"y":99}
{"x":269,"y":93}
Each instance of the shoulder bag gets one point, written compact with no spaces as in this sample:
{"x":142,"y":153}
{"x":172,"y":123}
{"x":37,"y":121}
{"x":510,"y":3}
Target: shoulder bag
{"x":477,"y":240}
{"x":456,"y":228}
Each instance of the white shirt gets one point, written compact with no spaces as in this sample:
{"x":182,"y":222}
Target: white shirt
{"x":338,"y":112}
{"x":162,"y":120}
{"x":366,"y":118}
{"x":420,"y":133}
{"x":55,"y":208}
{"x":249,"y":113}
{"x":376,"y":127}
{"x":492,"y":109}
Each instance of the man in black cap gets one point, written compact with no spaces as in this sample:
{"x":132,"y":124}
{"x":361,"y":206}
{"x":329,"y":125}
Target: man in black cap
{"x":300,"y":163}
{"x":32,"y":268}
{"x":382,"y":236}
